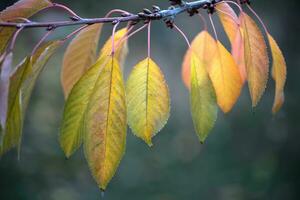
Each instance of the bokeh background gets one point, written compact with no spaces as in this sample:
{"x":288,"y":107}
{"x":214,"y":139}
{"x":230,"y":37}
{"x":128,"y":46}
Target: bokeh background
{"x":249,"y":155}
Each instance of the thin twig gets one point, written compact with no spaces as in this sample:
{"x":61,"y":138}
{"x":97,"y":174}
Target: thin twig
{"x":162,"y":14}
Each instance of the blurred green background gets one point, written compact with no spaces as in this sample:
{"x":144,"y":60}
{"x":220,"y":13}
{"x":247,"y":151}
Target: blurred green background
{"x":249,"y":155}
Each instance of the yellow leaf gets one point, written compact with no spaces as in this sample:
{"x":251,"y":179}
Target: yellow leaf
{"x":148,"y":100}
{"x":204,"y":46}
{"x":79,"y":56}
{"x":23,"y":80}
{"x":279,"y":72}
{"x":203,"y":100}
{"x":226,"y":78}
{"x":229,"y":20}
{"x":121,"y":46}
{"x":71,"y":133}
{"x":105,"y":124}
{"x":256,"y":58}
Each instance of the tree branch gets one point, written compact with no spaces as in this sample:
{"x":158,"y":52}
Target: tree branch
{"x":167,"y":15}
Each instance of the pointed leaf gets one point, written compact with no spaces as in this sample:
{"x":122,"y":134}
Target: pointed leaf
{"x":79,"y":56}
{"x":279,"y":72}
{"x":204,"y":46}
{"x":105,"y":124}
{"x":226,"y":78}
{"x":203,"y":100}
{"x":148,"y":100}
{"x":22,"y":82}
{"x":256,"y":57}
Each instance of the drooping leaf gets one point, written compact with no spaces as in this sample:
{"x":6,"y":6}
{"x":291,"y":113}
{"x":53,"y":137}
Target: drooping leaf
{"x":105,"y":124}
{"x":203,"y":100}
{"x":22,"y":82}
{"x":238,"y":54}
{"x":226,"y":78}
{"x":121,"y":47}
{"x":231,"y":24}
{"x":21,"y":9}
{"x":229,"y":20}
{"x":6,"y":66}
{"x":204,"y":46}
{"x":256,"y":58}
{"x":279,"y":72}
{"x":71,"y":134}
{"x":79,"y":56}
{"x":148,"y":100}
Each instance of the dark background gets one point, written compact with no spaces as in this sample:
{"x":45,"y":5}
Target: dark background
{"x":249,"y":155}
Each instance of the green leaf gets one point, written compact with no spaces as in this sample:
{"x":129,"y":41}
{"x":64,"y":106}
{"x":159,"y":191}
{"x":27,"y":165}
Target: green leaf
{"x":148,"y":100}
{"x":204,"y":107}
{"x":71,"y":135}
{"x":71,"y":131}
{"x":22,"y":82}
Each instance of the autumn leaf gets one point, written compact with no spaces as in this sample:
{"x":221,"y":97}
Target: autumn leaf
{"x":231,"y":24}
{"x":21,"y":9}
{"x":203,"y":100}
{"x":79,"y":56}
{"x":226,"y":78}
{"x":204,"y":46}
{"x":23,"y":79}
{"x":148,"y":100}
{"x":279,"y":72}
{"x":238,"y":54}
{"x":229,"y":20}
{"x":71,"y":135}
{"x":105,"y":124}
{"x":256,"y":58}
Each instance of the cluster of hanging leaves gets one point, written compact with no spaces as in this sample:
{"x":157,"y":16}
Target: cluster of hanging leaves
{"x":99,"y":104}
{"x":215,"y":76}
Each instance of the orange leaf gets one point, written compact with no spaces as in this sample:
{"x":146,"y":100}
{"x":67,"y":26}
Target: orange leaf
{"x":229,"y":20}
{"x":204,"y":46}
{"x":279,"y":72}
{"x":237,"y":52}
{"x":256,"y":58}
{"x":226,"y":78}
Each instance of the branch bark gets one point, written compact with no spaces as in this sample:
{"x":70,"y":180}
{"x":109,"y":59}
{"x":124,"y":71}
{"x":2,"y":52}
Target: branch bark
{"x":167,"y":15}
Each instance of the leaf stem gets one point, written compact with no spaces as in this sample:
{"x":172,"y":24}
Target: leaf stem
{"x":213,"y":26}
{"x":149,"y":39}
{"x":183,"y":35}
{"x":113,"y":38}
{"x":259,"y":19}
{"x":41,"y":41}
